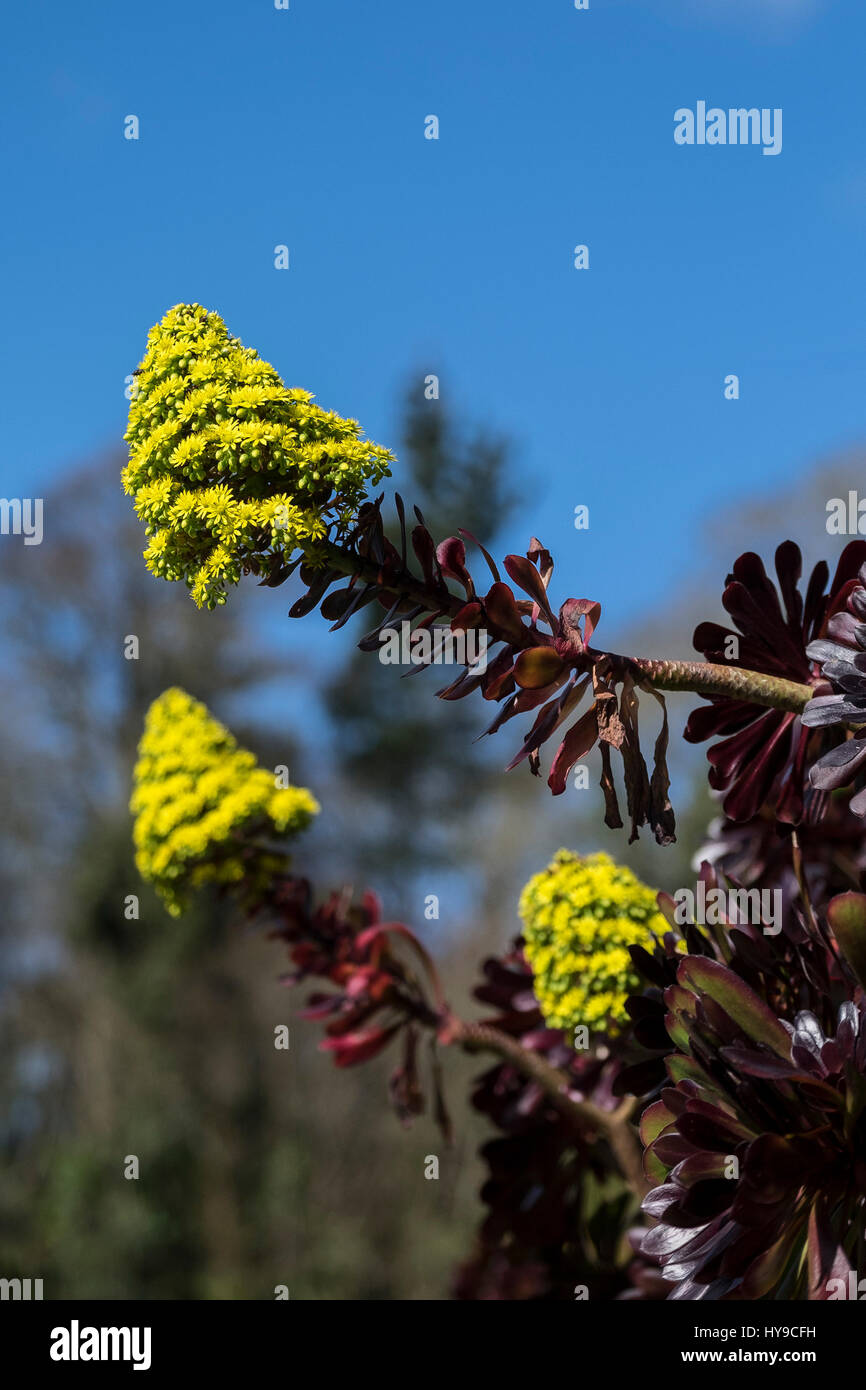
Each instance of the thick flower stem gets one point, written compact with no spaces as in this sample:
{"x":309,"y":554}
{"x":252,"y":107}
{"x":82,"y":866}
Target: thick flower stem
{"x":707,"y":678}
{"x":614,"y":1125}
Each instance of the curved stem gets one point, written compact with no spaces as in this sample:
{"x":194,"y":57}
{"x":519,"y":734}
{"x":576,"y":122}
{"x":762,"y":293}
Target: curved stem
{"x":614,"y":1125}
{"x":802,"y":883}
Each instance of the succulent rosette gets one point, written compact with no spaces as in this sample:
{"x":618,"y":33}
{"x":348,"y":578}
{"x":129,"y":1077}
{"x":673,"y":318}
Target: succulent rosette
{"x":756,"y":1136}
{"x":792,"y":962}
{"x":764,"y":754}
{"x":758,"y":1145}
{"x":760,"y":853}
{"x":842,"y":659}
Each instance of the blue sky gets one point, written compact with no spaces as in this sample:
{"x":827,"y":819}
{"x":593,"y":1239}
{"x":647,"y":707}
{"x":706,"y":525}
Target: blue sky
{"x":260,"y":127}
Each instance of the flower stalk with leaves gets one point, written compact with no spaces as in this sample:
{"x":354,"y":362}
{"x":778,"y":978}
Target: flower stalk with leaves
{"x":741,"y":1052}
{"x":233,"y":474}
{"x":201,"y":806}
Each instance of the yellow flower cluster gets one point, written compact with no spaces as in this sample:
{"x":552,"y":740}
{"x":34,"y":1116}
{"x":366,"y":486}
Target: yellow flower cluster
{"x":579,"y":918}
{"x":198,"y":799}
{"x":229,"y":468}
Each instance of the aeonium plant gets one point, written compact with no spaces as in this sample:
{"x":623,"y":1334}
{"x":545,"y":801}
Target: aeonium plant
{"x":233,"y":473}
{"x":679,"y":1100}
{"x":635,"y":1057}
{"x":207,"y":815}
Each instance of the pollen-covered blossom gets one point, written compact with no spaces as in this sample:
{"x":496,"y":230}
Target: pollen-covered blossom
{"x":198,"y":801}
{"x":580,"y":916}
{"x":232,"y":471}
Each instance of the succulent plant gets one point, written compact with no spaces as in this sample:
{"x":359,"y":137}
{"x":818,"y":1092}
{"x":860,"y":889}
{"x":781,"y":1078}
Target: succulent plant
{"x":764,"y":754}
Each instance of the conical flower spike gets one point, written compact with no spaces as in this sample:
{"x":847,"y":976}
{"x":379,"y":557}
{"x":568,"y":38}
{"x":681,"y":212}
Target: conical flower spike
{"x":200,"y":803}
{"x":232,"y":471}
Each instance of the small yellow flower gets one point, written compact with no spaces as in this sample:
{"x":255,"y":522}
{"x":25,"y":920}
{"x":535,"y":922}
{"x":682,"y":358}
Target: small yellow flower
{"x":199,"y":801}
{"x":579,"y":918}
